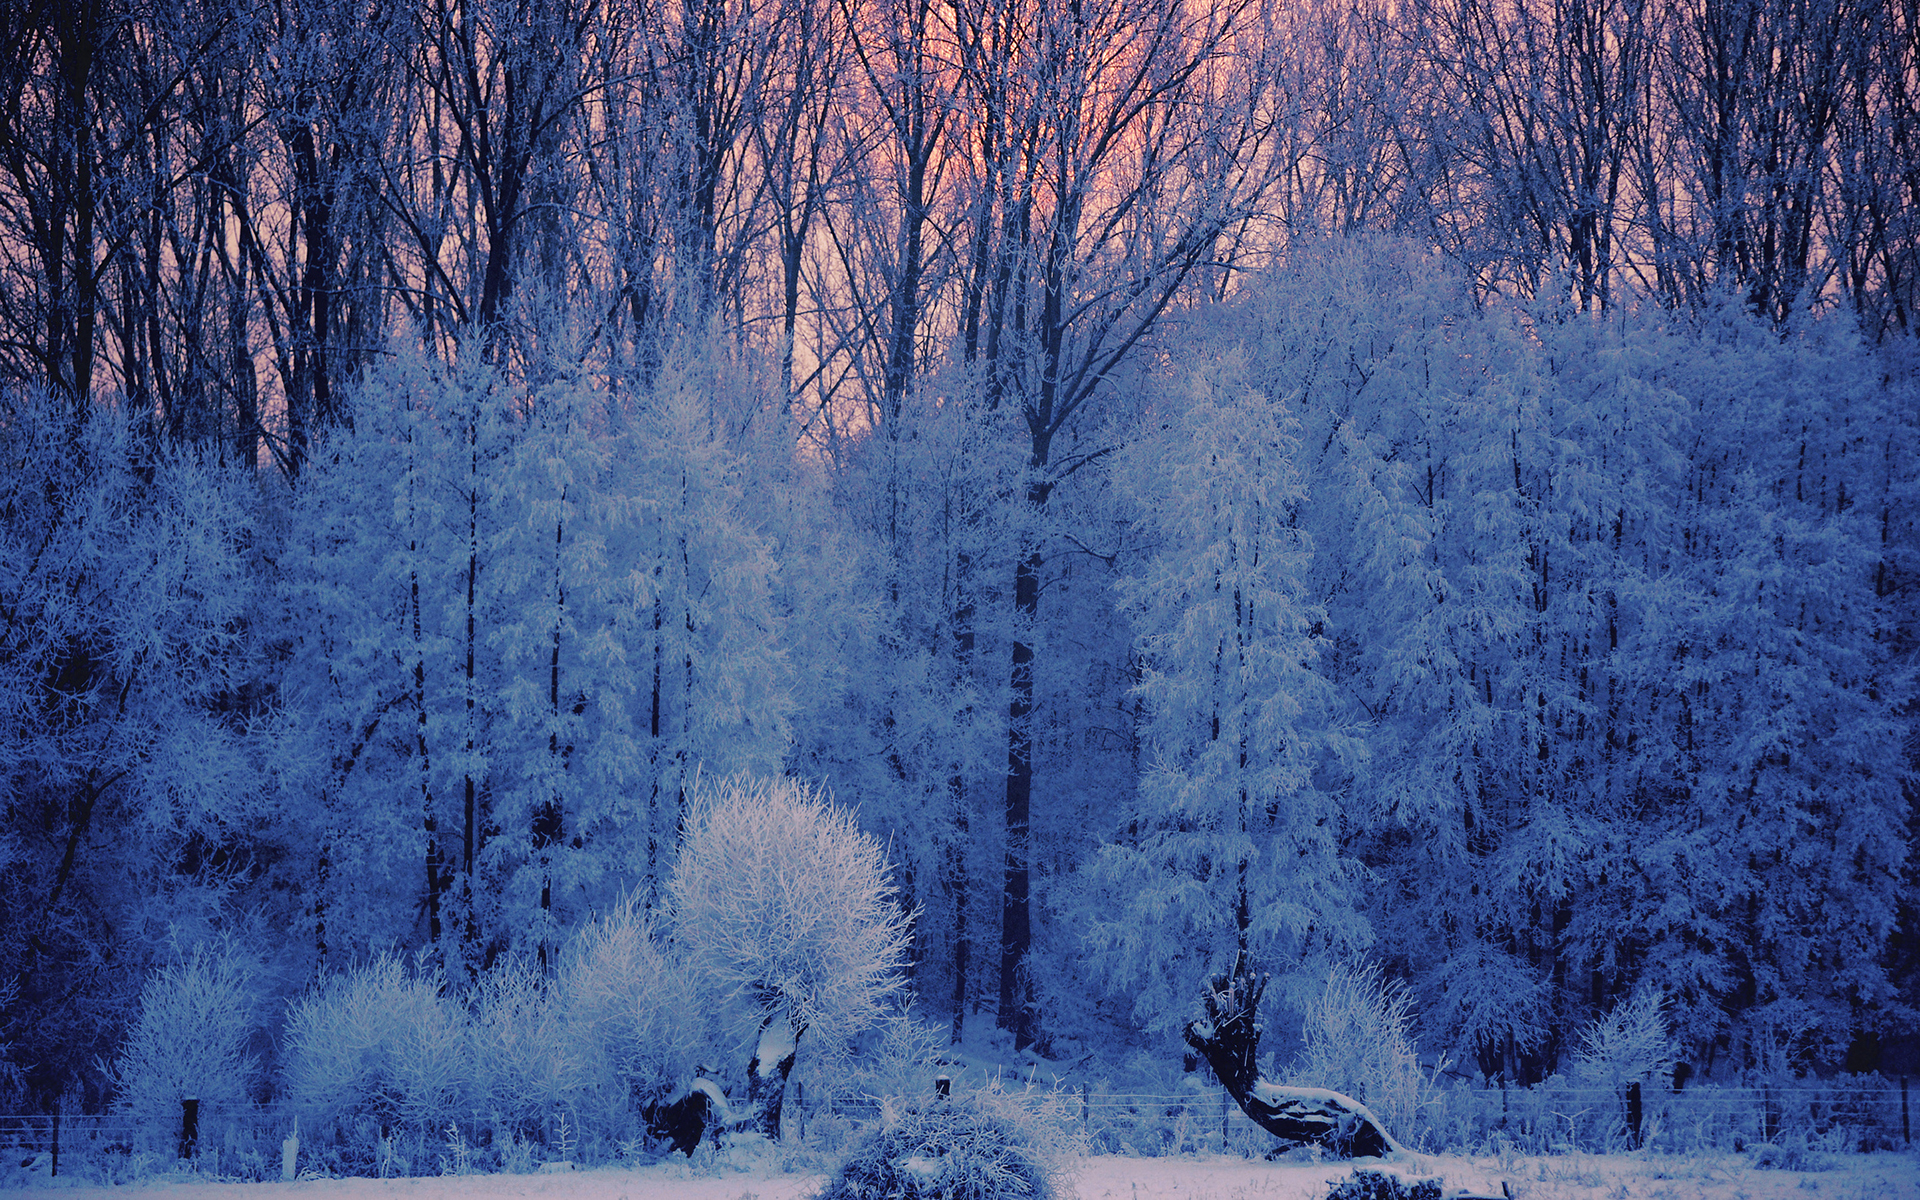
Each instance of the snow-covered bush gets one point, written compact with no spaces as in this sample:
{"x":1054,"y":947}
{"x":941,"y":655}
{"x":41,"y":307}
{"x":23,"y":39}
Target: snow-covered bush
{"x":1631,"y":1043}
{"x":984,"y":1146}
{"x":1358,"y":1042}
{"x":895,"y":1056}
{"x":1384,"y":1183}
{"x":785,"y":911}
{"x":189,"y":1041}
{"x":523,"y":1064}
{"x":632,"y":1021}
{"x":378,"y":1041}
{"x":780,"y":899}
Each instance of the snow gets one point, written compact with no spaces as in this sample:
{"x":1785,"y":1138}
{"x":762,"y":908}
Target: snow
{"x":1277,"y":1096}
{"x":722,"y":1111}
{"x":1111,"y":1177}
{"x":777,"y":1041}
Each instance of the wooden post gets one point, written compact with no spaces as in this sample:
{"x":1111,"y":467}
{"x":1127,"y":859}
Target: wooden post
{"x":56,"y":1138}
{"x":189,"y":1127}
{"x":1906,"y":1130}
{"x":1224,"y":1110}
{"x":800,"y":1112}
{"x":1634,"y":1111}
{"x":943,"y":1086}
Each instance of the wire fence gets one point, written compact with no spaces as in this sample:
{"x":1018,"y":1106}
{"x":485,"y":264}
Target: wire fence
{"x":250,"y":1142}
{"x":1862,"y":1113}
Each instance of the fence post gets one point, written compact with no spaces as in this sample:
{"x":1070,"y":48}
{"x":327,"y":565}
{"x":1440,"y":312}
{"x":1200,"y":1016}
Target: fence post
{"x":56,"y":1139}
{"x":1906,"y":1130}
{"x":1634,"y":1111}
{"x":1223,"y":1120}
{"x":1085,"y":1108}
{"x":290,"y":1153}
{"x":189,"y":1127}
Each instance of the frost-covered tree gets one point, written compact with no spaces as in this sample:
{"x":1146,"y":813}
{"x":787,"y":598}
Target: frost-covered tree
{"x":533,"y":608}
{"x":384,"y":534}
{"x":1629,"y":1043}
{"x":189,"y":1041}
{"x":133,"y":705}
{"x":1233,"y":843}
{"x":781,"y":904}
{"x":697,"y":564}
{"x":1605,"y":590}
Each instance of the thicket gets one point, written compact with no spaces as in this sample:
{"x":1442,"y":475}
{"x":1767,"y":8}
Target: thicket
{"x":1430,"y":482}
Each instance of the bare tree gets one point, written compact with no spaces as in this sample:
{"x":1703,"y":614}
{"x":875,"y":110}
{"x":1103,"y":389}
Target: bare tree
{"x":1117,"y":142}
{"x":1554,"y":96}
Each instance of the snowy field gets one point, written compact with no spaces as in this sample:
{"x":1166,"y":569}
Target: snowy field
{"x":1107,"y":1177}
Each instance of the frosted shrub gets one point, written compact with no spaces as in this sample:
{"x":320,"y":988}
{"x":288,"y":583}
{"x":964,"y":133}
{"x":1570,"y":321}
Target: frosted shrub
{"x":1630,"y":1044}
{"x":985,"y":1146}
{"x":189,"y":1041}
{"x":523,"y":1065}
{"x":896,"y":1056}
{"x":379,"y":1042}
{"x":631,"y":1017}
{"x":1358,"y":1042}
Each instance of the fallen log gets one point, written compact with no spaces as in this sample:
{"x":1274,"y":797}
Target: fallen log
{"x":1228,"y":1037}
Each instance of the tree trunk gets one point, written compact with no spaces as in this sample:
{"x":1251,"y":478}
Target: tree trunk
{"x":1229,"y":1037}
{"x":768,"y":1069}
{"x":1016,"y":919}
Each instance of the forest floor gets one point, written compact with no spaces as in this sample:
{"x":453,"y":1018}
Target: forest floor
{"x":1885,"y":1176}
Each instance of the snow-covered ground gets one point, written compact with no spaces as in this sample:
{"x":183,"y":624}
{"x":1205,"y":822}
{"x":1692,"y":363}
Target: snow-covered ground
{"x":1106,"y":1177}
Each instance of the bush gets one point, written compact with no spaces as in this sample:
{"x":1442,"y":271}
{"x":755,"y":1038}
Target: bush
{"x":981,"y":1147}
{"x":189,"y":1041}
{"x":1358,"y":1043}
{"x":1376,"y":1183}
{"x":523,"y":1063}
{"x":630,"y":1009}
{"x":378,"y":1042}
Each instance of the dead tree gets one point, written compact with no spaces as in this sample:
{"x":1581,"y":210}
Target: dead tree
{"x":1229,"y":1037}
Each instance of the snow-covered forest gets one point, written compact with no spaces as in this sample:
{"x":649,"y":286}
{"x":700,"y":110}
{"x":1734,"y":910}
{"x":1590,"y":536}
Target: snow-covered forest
{"x":1427,"y":489}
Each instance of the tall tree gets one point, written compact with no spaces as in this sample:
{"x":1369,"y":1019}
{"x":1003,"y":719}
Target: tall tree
{"x":1119,"y":140}
{"x":1232,"y":846}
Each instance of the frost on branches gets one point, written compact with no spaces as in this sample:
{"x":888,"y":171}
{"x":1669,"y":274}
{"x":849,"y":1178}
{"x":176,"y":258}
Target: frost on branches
{"x":783,"y":903}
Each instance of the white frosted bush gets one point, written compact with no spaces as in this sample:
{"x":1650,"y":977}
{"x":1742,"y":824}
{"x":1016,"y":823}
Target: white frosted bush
{"x":523,"y":1064}
{"x":781,"y":900}
{"x":1358,"y":1041}
{"x":378,"y":1041}
{"x":631,"y":1016}
{"x":986,"y":1145}
{"x":189,"y":1041}
{"x":1630,"y":1044}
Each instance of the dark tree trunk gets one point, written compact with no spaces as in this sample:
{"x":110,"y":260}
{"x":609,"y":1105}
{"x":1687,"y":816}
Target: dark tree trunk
{"x":1016,"y":922}
{"x":768,"y":1069}
{"x":1229,"y":1037}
